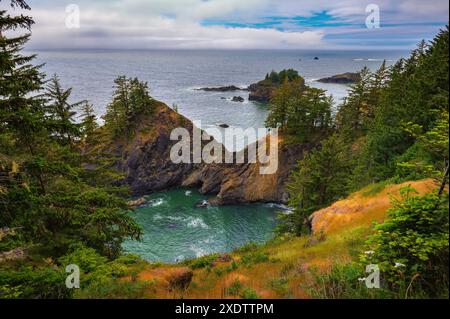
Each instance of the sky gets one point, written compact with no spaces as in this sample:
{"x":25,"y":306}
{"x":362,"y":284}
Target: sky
{"x":233,"y":24}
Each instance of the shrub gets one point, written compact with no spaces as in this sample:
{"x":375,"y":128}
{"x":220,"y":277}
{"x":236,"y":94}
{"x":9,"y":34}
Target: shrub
{"x":235,"y":288}
{"x":249,"y":293}
{"x":202,"y":262}
{"x":412,"y":246}
{"x":30,"y":283}
{"x":255,"y":257}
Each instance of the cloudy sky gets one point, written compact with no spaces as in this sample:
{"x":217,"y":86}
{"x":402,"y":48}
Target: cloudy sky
{"x":235,"y":24}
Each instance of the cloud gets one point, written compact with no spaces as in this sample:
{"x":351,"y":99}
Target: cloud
{"x":232,"y":24}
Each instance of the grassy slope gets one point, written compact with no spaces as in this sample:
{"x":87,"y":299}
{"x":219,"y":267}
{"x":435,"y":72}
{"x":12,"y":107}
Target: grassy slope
{"x":282,"y":268}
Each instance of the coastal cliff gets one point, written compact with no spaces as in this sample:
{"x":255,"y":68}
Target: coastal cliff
{"x":145,"y":162}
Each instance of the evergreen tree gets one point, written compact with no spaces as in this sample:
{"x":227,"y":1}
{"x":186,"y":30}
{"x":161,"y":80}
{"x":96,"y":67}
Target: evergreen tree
{"x":320,"y":178}
{"x":88,"y":121}
{"x":131,"y":99}
{"x":300,"y":111}
{"x":61,"y":112}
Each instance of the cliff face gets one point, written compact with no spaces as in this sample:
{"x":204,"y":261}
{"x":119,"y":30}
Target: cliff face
{"x":147,"y":166}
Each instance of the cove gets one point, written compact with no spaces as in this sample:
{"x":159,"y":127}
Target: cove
{"x":175,"y":229}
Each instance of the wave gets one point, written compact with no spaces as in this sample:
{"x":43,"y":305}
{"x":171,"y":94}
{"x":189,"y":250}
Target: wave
{"x":372,"y":60}
{"x":197,"y":222}
{"x":284,"y":209}
{"x":198,"y":251}
{"x":156,"y":202}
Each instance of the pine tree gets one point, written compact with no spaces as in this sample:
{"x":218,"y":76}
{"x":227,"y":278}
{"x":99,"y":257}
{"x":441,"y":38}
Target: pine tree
{"x":20,"y":107}
{"x":61,"y":112}
{"x":319,"y":179}
{"x":131,"y":99}
{"x":88,"y":121}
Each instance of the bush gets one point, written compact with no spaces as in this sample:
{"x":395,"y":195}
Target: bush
{"x":115,"y":290}
{"x":234,"y":289}
{"x":249,"y":293}
{"x":29,"y":283}
{"x":342,"y":282}
{"x":202,"y":262}
{"x":255,"y":257}
{"x":412,"y":246}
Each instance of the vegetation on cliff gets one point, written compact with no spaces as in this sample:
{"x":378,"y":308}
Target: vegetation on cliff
{"x":392,"y":127}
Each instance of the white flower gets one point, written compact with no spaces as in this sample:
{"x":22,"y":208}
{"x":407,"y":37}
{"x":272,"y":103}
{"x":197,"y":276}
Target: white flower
{"x":369,"y":252}
{"x":398,"y":265}
{"x":361,"y":279}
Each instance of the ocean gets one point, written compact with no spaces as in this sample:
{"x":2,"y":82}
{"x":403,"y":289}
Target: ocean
{"x":173,"y":76}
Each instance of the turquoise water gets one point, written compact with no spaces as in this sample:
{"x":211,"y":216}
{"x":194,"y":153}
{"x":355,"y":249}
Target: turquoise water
{"x":174,"y":229}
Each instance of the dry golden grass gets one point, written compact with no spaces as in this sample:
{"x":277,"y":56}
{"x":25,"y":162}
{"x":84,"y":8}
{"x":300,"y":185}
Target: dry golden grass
{"x":362,"y":209}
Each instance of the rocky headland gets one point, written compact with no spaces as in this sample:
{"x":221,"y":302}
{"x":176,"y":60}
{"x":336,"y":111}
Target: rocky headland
{"x":147,"y":167}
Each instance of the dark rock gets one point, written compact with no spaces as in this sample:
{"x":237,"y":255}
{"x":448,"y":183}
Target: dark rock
{"x":138,"y":202}
{"x":229,"y":88}
{"x":238,"y":99}
{"x":344,"y":78}
{"x":224,"y":125}
{"x":316,"y":58}
{"x":202,"y":204}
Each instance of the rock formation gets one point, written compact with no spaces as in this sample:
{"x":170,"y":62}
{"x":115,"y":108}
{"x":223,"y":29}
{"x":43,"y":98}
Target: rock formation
{"x":145,"y":162}
{"x":344,"y":78}
{"x":229,"y":88}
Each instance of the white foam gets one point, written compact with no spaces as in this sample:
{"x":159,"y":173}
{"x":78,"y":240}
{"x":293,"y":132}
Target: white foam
{"x":156,"y":202}
{"x":188,"y":193}
{"x":197,"y":222}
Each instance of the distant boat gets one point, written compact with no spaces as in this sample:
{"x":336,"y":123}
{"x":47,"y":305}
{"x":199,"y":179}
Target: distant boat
{"x":316,"y":58}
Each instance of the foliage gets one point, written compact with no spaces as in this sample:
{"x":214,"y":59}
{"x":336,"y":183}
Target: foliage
{"x":60,"y":113}
{"x":412,"y":246}
{"x":319,"y":179}
{"x":203,"y":261}
{"x":131,"y":99}
{"x":300,"y":111}
{"x":249,"y":293}
{"x":343,"y":282}
{"x":281,"y":77}
{"x":34,"y":283}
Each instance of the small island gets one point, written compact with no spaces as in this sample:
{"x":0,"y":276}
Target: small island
{"x":344,"y":78}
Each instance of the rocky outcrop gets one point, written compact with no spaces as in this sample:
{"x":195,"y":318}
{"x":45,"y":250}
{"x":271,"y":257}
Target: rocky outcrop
{"x":230,"y":88}
{"x":148,"y":168}
{"x":237,"y":99}
{"x":263,"y":90}
{"x":344,"y":78}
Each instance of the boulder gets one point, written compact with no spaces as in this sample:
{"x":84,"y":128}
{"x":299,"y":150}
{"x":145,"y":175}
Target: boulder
{"x":238,"y":99}
{"x":179,"y":278}
{"x":138,"y":202}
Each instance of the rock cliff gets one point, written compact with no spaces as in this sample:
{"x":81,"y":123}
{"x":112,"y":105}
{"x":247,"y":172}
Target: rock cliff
{"x":146,"y":164}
